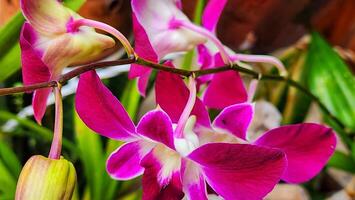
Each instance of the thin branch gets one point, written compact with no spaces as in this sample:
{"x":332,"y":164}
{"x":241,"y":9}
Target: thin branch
{"x":186,"y":73}
{"x":65,"y":77}
{"x":80,"y":70}
{"x":29,"y":88}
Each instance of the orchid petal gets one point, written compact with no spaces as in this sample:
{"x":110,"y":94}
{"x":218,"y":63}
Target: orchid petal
{"x":75,"y":48}
{"x":33,"y":68}
{"x":157,"y":126}
{"x":39,"y":103}
{"x":46,"y":16}
{"x":240,"y":171}
{"x":145,"y":50}
{"x":212,"y":13}
{"x":100,"y":109}
{"x":235,"y":119}
{"x":124,"y":163}
{"x":193,"y":181}
{"x":168,"y":85}
{"x":307,"y":147}
{"x":161,"y":179}
{"x":143,"y":84}
{"x":225,"y":89}
{"x":143,"y":46}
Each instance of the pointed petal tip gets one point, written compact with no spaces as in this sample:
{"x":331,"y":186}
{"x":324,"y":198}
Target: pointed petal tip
{"x":307,"y":146}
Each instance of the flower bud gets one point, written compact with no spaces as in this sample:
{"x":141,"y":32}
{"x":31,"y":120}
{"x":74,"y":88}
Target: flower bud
{"x":42,"y":178}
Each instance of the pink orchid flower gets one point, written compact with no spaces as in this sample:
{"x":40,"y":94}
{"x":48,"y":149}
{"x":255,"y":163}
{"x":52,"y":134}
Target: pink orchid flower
{"x":171,"y":164}
{"x":182,"y":158}
{"x":54,"y":37}
{"x":307,"y":146}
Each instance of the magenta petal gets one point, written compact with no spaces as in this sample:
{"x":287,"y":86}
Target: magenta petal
{"x":143,"y":84}
{"x":307,"y":147}
{"x":137,"y":71}
{"x":33,"y":68}
{"x":193,"y":181}
{"x":143,"y":46}
{"x":145,"y":50}
{"x":100,"y":109}
{"x":159,"y":183}
{"x":212,"y":13}
{"x":225,"y":89}
{"x":124,"y":163}
{"x":157,"y":126}
{"x":39,"y":103}
{"x":172,"y":95}
{"x":240,"y":171}
{"x":235,"y":119}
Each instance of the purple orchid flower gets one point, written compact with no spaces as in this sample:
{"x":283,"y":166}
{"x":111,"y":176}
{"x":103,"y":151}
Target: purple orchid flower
{"x":55,"y":37}
{"x":171,"y":163}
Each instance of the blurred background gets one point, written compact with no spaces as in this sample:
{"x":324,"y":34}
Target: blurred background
{"x":315,"y":39}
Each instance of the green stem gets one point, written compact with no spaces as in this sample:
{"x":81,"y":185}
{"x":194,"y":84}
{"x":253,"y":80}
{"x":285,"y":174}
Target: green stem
{"x":56,"y":147}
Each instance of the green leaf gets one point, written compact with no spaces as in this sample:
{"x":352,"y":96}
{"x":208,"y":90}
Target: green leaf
{"x":297,"y":103}
{"x":91,"y":155}
{"x":10,"y":160}
{"x":342,"y":161}
{"x":9,"y":47}
{"x":10,"y":62}
{"x":94,"y":159}
{"x":74,"y":4}
{"x":9,"y":33}
{"x":130,"y":98}
{"x":331,"y":80}
{"x":38,"y":132}
{"x":7,"y":181}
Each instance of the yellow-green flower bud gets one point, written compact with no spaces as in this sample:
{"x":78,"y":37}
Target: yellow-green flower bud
{"x":42,"y":179}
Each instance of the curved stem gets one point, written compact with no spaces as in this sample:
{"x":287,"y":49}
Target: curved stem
{"x":109,"y":29}
{"x":56,"y":147}
{"x":187,"y":110}
{"x":208,"y":35}
{"x":261,"y":59}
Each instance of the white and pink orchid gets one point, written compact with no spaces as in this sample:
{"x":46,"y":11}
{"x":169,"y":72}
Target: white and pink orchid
{"x":54,"y":37}
{"x":181,"y":159}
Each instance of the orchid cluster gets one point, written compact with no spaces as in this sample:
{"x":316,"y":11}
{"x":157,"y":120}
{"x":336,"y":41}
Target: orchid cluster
{"x":179,"y":151}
